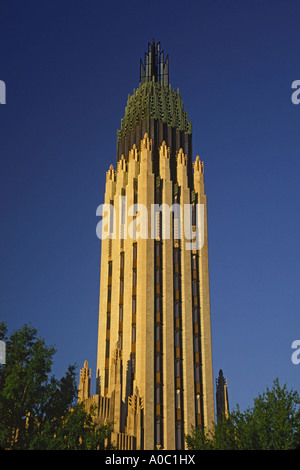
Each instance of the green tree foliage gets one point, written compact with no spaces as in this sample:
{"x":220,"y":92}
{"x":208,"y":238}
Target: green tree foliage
{"x":273,"y":423}
{"x":37,"y":411}
{"x":76,"y":430}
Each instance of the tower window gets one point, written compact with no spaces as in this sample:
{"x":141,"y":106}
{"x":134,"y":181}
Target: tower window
{"x":133,"y":334}
{"x":158,"y":434}
{"x":177,"y":338}
{"x":158,"y":333}
{"x":157,"y":249}
{"x":178,"y":437}
{"x":133,"y":304}
{"x":110,"y":268}
{"x":195,"y":315}
{"x":177,"y":399}
{"x":133,"y":363}
{"x":158,"y":394}
{"x":134,"y":277}
{"x":157,"y":304}
{"x":107,"y":348}
{"x":177,"y":368}
{"x":109,"y":294}
{"x":194,"y":262}
{"x":197,"y":373}
{"x":198,"y":409}
{"x":120,"y":340}
{"x":157,"y":363}
{"x":106,"y":379}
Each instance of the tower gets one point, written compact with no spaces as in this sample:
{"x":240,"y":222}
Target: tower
{"x":222,"y":397}
{"x":154,"y":359}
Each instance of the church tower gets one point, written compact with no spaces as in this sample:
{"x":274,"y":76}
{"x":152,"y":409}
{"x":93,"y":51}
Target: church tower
{"x":154,"y":360}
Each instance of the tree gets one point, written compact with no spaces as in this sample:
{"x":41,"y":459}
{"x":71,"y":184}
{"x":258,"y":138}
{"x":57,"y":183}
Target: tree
{"x":273,"y":423}
{"x":36,"y":409}
{"x":75,"y":430}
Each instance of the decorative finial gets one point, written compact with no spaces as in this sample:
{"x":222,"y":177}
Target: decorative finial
{"x":155,"y":67}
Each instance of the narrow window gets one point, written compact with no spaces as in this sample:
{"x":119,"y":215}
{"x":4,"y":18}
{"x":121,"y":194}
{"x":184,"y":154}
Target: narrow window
{"x":106,"y":379}
{"x":195,"y":315}
{"x":177,"y":399}
{"x":133,"y":304}
{"x":107,"y":348}
{"x":177,"y":368}
{"x":194,"y":262}
{"x":157,"y":363}
{"x":120,"y":312}
{"x":134,"y":277}
{"x":133,"y":334}
{"x":110,"y":268}
{"x":133,"y":363}
{"x":109,"y":294}
{"x":197,"y":373}
{"x":158,"y":431}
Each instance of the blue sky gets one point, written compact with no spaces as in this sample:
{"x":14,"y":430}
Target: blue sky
{"x":68,"y":67}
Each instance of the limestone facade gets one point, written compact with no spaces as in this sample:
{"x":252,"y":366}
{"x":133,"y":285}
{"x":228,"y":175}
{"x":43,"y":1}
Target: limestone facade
{"x":154,"y":360}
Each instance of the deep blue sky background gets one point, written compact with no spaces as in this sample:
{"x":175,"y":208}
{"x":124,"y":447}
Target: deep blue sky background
{"x":68,"y":68}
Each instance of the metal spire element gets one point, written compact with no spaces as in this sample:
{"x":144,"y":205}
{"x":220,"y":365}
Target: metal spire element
{"x":154,"y":65}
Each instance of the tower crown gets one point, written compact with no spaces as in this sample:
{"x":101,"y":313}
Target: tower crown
{"x":157,"y":109}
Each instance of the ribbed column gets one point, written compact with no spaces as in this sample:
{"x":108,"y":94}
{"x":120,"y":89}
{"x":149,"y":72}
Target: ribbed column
{"x":129,"y":301}
{"x":103,"y":353}
{"x":167,"y":306}
{"x":186,"y":296}
{"x":206,"y":347}
{"x":145,"y":293}
{"x":117,"y":288}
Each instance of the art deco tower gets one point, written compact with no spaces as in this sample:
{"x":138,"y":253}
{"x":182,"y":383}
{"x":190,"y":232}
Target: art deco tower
{"x":154,"y":364}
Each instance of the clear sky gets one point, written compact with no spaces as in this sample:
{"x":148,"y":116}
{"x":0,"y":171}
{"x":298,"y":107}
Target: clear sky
{"x":68,"y":67}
